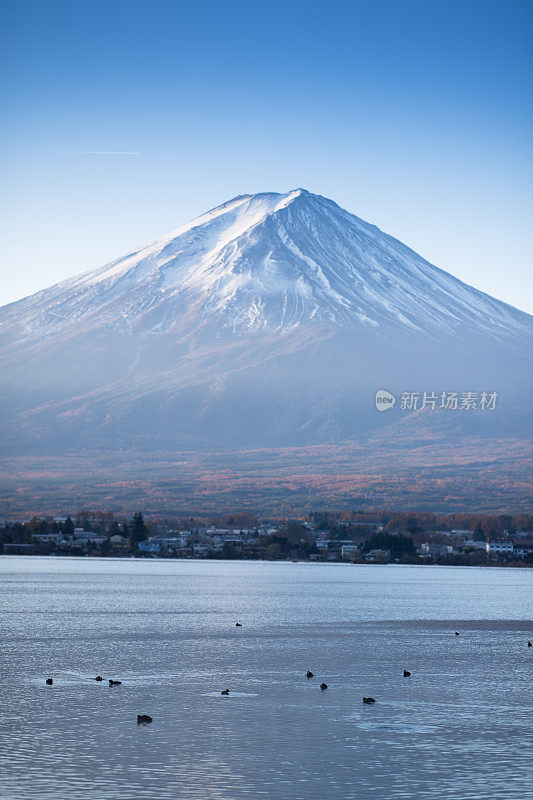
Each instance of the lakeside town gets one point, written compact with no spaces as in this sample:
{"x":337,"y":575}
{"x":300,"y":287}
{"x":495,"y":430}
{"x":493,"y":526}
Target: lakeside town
{"x":408,"y":538}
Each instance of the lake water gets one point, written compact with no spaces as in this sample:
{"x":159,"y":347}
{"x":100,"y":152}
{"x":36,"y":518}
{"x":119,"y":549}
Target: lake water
{"x":458,"y":729}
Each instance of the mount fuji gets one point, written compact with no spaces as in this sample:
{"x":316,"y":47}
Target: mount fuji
{"x":269,"y":321}
{"x":267,"y":263}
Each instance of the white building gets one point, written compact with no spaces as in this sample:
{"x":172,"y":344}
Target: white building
{"x":500,"y":546}
{"x":431,"y":549}
{"x":322,"y":544}
{"x":349,"y":550}
{"x":47,"y":537}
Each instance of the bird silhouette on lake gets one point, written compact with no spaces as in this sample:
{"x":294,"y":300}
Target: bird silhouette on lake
{"x":406,"y":673}
{"x":225,"y":691}
{"x":114,"y":683}
{"x":368,"y":700}
{"x":99,"y":678}
{"x":529,"y":644}
{"x":310,"y":674}
{"x":143,"y":719}
{"x":323,"y":686}
{"x":238,"y":625}
{"x":457,"y":633}
{"x":49,"y":681}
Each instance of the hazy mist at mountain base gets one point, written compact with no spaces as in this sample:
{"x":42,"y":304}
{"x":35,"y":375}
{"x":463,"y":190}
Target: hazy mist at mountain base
{"x":270,"y":321}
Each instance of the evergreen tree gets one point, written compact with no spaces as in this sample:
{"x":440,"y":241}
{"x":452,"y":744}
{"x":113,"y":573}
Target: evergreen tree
{"x":138,"y":529}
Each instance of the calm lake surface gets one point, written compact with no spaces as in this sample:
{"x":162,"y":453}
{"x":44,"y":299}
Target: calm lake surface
{"x":458,"y":729}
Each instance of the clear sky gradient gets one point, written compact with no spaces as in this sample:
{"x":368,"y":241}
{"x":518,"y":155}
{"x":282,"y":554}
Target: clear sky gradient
{"x":124,"y":119}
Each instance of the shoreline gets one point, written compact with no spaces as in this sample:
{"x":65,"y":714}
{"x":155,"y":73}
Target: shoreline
{"x":288,"y":562}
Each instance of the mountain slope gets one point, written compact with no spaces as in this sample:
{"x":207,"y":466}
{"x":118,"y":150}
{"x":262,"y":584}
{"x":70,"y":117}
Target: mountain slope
{"x":271,"y":319}
{"x":269,"y":262}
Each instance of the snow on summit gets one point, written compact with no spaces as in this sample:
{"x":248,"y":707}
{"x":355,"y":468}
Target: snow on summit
{"x":268,"y":262}
{"x":271,"y":320}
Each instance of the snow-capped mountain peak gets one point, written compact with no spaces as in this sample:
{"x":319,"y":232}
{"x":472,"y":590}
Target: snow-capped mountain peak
{"x":271,"y":319}
{"x":270,"y":262}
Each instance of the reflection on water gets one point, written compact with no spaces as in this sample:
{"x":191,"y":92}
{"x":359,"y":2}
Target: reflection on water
{"x":457,"y":729}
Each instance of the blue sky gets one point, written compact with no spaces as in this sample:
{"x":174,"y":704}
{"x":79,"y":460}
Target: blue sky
{"x":414,"y":115}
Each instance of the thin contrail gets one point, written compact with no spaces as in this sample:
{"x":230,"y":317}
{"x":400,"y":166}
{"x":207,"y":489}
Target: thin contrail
{"x":97,"y":153}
